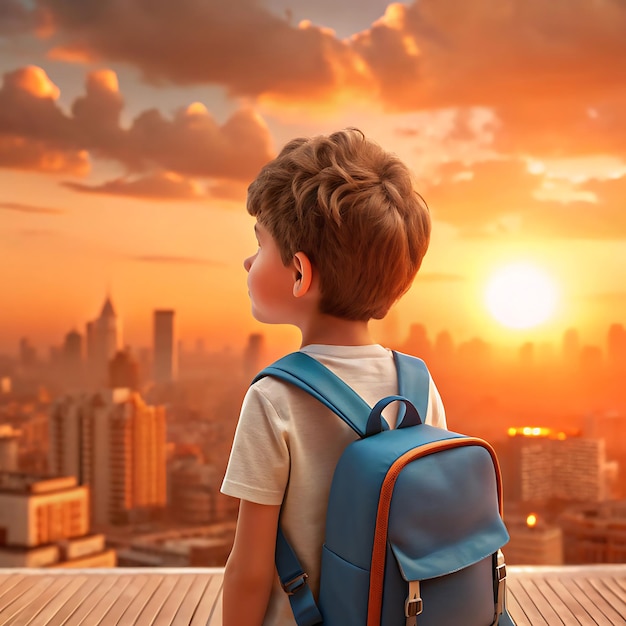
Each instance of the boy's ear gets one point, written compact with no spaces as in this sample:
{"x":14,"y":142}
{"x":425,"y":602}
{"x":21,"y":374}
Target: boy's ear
{"x":303,"y":274}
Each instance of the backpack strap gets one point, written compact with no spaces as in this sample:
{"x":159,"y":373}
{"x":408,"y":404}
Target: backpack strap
{"x":413,"y":381}
{"x":294,"y":582}
{"x":310,"y":375}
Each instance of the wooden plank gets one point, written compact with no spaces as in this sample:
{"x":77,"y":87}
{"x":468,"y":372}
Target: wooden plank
{"x":7,"y":583}
{"x":148,"y":614}
{"x":130,"y":616}
{"x":566,"y":596}
{"x":598,"y":606}
{"x":27,"y":592}
{"x":49,"y":601}
{"x":570,"y":614}
{"x":110,"y":605}
{"x":547,"y":612}
{"x":531,"y":611}
{"x":566,"y":589}
{"x":563,"y":614}
{"x":85,"y":604}
{"x":168,"y":610}
{"x":73,"y":602}
{"x":185,"y":613}
{"x":209,"y":610}
{"x":515,"y":608}
{"x":615,"y":588}
{"x":126,"y":588}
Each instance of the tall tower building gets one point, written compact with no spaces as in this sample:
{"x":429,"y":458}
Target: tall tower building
{"x":73,"y":347}
{"x":103,"y":341}
{"x":253,"y":355}
{"x":115,"y":443}
{"x":163,"y":346}
{"x":72,"y":358}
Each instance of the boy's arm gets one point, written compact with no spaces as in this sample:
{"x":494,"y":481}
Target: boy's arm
{"x":250,"y":570}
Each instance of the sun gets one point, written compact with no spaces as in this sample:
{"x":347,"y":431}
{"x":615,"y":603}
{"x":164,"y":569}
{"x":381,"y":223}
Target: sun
{"x":521,"y":296}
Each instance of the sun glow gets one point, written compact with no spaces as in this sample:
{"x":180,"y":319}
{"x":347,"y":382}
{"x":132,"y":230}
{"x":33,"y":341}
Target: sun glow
{"x":521,"y":296}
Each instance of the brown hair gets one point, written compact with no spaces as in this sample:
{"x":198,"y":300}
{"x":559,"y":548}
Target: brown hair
{"x":351,"y":207}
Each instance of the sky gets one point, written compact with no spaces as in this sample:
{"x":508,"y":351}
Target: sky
{"x":129,"y":131}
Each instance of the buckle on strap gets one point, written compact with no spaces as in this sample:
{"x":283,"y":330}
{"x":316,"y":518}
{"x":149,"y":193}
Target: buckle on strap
{"x":500,"y":580}
{"x":295,"y":584}
{"x":413,"y":605}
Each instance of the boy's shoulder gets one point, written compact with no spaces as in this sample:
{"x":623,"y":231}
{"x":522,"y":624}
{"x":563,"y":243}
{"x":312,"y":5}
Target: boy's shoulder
{"x":369,"y":370}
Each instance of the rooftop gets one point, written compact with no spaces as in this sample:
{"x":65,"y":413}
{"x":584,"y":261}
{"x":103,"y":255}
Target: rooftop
{"x":571,"y":595}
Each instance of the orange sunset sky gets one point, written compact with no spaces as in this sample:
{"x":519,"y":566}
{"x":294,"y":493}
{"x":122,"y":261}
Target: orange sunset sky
{"x":129,"y":130}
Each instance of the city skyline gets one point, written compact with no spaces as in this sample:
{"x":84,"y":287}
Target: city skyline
{"x":387,"y":331}
{"x":124,"y":165}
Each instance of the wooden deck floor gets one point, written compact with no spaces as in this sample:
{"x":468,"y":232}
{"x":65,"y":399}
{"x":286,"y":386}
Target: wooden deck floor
{"x":569,"y":596}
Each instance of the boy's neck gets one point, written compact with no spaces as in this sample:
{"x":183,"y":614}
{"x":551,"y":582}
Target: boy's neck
{"x":334,"y":331}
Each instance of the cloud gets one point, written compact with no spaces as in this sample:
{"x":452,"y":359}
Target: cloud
{"x":26,"y":154}
{"x":161,"y":186}
{"x":523,"y":78}
{"x":194,"y":144}
{"x":499,"y":198}
{"x":549,"y":70}
{"x":36,"y":134}
{"x":240,"y":44}
{"x":494,"y":54}
{"x":29,"y":208}
{"x":28,"y":109}
{"x":473,"y":198}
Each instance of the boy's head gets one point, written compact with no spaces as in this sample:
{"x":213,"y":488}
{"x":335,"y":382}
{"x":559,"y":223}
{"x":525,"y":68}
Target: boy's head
{"x":352,"y":209}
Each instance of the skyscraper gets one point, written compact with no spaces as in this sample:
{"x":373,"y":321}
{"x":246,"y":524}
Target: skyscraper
{"x":163,"y":346}
{"x":115,"y":443}
{"x":103,"y":341}
{"x":253,"y":355}
{"x":72,"y":358}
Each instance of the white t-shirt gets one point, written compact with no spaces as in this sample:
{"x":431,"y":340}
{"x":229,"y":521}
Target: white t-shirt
{"x":287,"y":445}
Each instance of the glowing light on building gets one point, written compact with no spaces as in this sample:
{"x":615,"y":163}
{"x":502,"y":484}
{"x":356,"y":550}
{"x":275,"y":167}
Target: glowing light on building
{"x":532,"y":431}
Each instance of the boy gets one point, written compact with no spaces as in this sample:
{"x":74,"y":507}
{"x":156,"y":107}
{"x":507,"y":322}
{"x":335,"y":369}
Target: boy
{"x":341,"y":234}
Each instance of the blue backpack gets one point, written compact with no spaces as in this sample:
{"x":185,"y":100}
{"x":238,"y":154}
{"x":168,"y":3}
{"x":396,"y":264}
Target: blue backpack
{"x":414,"y":524}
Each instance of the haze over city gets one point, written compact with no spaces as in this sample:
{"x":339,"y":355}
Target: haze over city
{"x":128,"y":137}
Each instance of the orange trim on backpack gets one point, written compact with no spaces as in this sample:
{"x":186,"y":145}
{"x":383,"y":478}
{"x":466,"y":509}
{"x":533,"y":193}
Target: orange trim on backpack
{"x":379,"y":551}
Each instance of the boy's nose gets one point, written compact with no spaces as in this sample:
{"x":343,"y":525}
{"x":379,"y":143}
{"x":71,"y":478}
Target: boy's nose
{"x":247,"y":263}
